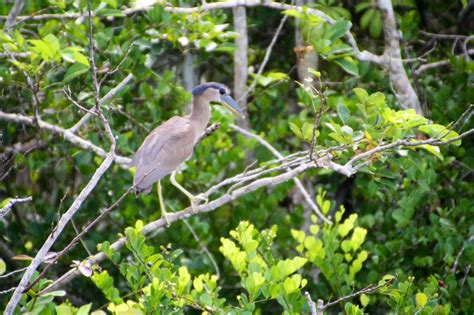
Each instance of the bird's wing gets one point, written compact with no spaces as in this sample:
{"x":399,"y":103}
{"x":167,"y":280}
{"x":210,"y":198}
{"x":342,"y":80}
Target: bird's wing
{"x":168,"y":146}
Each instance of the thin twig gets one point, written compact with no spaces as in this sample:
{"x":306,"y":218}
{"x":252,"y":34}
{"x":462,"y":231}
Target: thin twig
{"x":367,"y":290}
{"x":6,"y":209}
{"x":297,"y":181}
{"x":7,"y":291}
{"x":311,"y":304}
{"x":11,"y":273}
{"x":204,"y":247}
{"x":265,"y":59}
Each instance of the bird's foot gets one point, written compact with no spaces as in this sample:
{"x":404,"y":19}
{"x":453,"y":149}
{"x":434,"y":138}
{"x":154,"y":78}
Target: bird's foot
{"x":197,"y":200}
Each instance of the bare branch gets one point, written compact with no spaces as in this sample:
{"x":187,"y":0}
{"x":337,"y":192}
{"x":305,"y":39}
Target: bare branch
{"x":13,"y":15}
{"x":443,"y":36}
{"x":311,"y":304}
{"x":266,"y":57}
{"x":350,"y":166}
{"x":297,"y":181}
{"x":6,"y":209}
{"x":64,"y":133}
{"x":437,"y":64}
{"x":63,"y":221}
{"x":14,"y":272}
{"x":406,"y":95}
{"x":104,"y":100}
{"x":240,"y":56}
{"x":7,"y":291}
{"x":373,"y":288}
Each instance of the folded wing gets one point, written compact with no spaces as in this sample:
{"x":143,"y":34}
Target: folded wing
{"x":163,"y":151}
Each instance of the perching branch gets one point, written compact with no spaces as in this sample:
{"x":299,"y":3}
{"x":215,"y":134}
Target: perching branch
{"x":188,"y":212}
{"x":252,"y":180}
{"x":297,"y":181}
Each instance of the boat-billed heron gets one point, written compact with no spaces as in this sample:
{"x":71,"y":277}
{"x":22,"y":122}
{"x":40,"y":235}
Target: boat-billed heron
{"x":172,"y":143}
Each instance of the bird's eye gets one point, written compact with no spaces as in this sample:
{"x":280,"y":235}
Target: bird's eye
{"x":222,"y":91}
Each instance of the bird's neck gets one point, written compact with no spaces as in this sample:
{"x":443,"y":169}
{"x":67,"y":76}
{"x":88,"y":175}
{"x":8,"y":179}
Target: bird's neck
{"x":201,"y":114}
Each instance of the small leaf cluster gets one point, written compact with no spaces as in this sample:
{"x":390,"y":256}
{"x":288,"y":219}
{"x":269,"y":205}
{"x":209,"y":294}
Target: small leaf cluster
{"x":263,"y":275}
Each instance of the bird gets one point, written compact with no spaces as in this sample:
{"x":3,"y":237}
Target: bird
{"x":172,"y":143}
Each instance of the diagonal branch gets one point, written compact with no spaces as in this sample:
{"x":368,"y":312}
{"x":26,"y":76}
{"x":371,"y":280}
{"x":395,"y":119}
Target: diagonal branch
{"x":188,"y":212}
{"x":64,"y":133}
{"x":297,"y":181}
{"x":63,"y":221}
{"x":6,"y":209}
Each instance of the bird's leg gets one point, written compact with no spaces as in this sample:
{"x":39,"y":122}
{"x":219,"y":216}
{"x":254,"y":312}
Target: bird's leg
{"x":162,"y":204}
{"x":191,"y":197}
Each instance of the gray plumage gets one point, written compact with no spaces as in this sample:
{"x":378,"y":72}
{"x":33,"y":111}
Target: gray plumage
{"x":172,"y":143}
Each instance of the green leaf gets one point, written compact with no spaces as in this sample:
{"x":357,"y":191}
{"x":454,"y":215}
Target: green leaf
{"x":343,"y":112}
{"x":206,"y":299}
{"x":421,"y":300}
{"x":338,"y":29}
{"x":293,"y":13}
{"x":440,"y":132}
{"x":348,"y":64}
{"x":290,"y":286}
{"x":308,"y":131}
{"x":296,"y":130}
{"x":376,"y":25}
{"x":84,"y":309}
{"x":53,"y":42}
{"x":361,"y":94}
{"x":366,"y":18}
{"x":74,"y":71}
{"x":55,"y":293}
{"x":3,"y":267}
{"x":112,"y":13}
{"x":364,"y":300}
{"x":432,"y":149}
{"x":64,"y":310}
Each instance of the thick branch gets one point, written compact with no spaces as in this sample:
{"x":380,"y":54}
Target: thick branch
{"x":63,"y":221}
{"x":403,"y":89}
{"x":64,"y":133}
{"x":300,"y":163}
{"x":188,"y":212}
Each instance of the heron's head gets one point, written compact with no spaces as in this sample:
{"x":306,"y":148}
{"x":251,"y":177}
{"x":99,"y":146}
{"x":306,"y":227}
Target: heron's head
{"x":218,"y":93}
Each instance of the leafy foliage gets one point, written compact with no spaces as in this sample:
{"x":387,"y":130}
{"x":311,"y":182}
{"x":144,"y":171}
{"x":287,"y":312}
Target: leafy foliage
{"x":403,"y":223}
